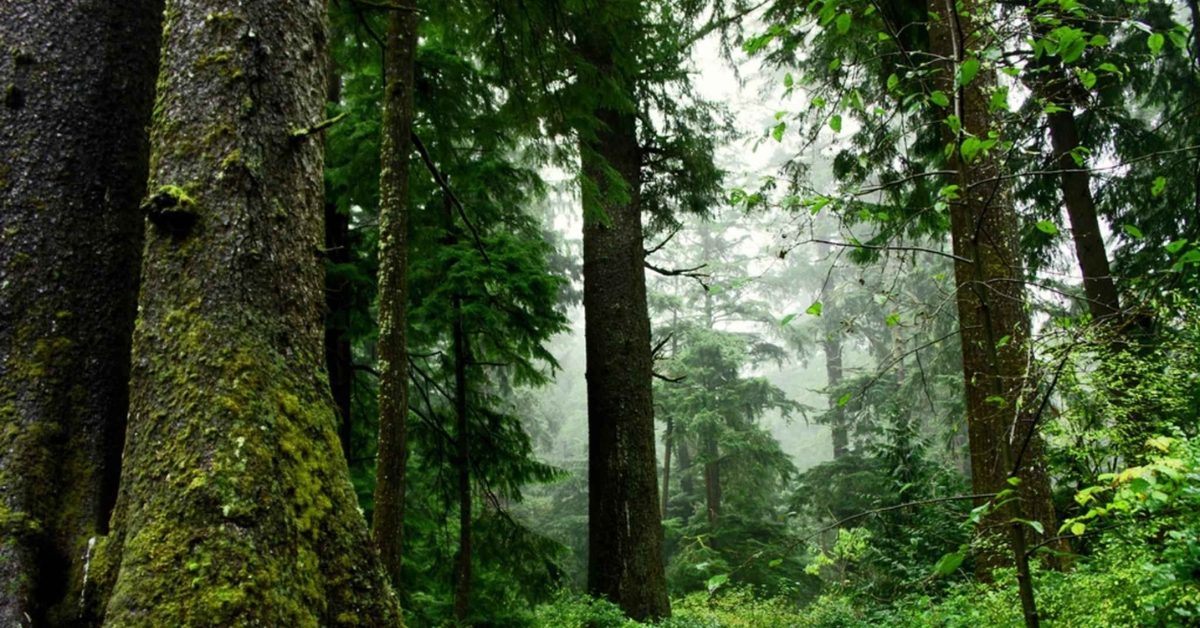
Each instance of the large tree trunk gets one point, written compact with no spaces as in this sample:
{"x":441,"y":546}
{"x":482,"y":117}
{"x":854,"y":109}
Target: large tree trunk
{"x":991,"y":305}
{"x":625,"y":561}
{"x":687,"y":483}
{"x":78,"y":80}
{"x":388,"y":524}
{"x":712,"y":480}
{"x":235,"y":506}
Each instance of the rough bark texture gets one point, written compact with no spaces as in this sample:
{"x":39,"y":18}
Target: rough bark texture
{"x":625,"y":560}
{"x":235,"y":506}
{"x":388,"y":526}
{"x":78,"y":81}
{"x":991,"y":300}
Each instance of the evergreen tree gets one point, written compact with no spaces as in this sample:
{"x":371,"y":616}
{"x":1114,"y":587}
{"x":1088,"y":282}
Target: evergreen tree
{"x":235,"y":506}
{"x":78,"y":89}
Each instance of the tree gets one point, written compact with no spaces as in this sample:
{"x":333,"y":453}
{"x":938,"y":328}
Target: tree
{"x":235,"y":506}
{"x":624,"y":534}
{"x":78,"y":89}
{"x":396,"y":147}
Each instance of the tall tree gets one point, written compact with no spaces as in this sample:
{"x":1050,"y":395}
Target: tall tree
{"x":235,"y":505}
{"x":396,"y":147}
{"x":78,"y":82}
{"x":624,"y":535}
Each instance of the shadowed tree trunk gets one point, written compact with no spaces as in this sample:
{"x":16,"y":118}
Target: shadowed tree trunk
{"x":388,"y":525}
{"x":78,"y":81}
{"x":339,"y":357}
{"x":462,"y":572}
{"x":235,"y":506}
{"x":625,"y":537}
{"x":666,"y":474}
{"x":831,"y":344}
{"x":712,"y":479}
{"x":687,"y":483}
{"x":992,"y":317}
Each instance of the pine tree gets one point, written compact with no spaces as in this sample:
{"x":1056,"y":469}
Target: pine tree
{"x":78,"y":83}
{"x":235,"y":506}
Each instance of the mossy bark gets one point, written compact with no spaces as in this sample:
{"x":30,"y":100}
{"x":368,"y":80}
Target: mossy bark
{"x":79,"y":84}
{"x":625,"y":536}
{"x":235,"y":505}
{"x":387,"y":528}
{"x":993,"y":319}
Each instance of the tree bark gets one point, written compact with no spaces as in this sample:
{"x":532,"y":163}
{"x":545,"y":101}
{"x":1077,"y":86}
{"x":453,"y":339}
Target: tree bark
{"x":712,"y":480}
{"x":235,"y":506}
{"x":78,"y":81}
{"x":993,"y":321}
{"x":399,"y":59}
{"x":666,"y":474}
{"x":687,"y":484}
{"x":462,"y":572}
{"x":831,"y":343}
{"x":625,"y":537}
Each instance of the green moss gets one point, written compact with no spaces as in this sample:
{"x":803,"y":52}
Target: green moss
{"x":179,"y":195}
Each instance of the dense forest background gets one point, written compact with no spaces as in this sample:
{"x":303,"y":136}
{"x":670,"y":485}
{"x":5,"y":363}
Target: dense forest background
{"x":600,"y":313}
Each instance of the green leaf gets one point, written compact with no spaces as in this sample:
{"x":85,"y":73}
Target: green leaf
{"x":1176,"y":246}
{"x":835,"y":123}
{"x":1160,"y":184}
{"x":777,"y":132}
{"x":1036,"y":525}
{"x":716,"y":581}
{"x":939,"y":98}
{"x":786,"y":319}
{"x":1045,"y":226}
{"x":967,"y":71}
{"x":970,"y":148}
{"x":1155,"y":42}
{"x":1087,"y":79}
{"x":775,"y":563}
{"x":948,"y":563}
{"x":893,"y":319}
{"x":1132,"y":231}
{"x":843,"y":23}
{"x":814,"y":309}
{"x":843,"y":400}
{"x":893,"y":82}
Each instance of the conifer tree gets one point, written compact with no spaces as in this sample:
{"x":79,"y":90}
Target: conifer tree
{"x":78,"y":83}
{"x":235,"y":506}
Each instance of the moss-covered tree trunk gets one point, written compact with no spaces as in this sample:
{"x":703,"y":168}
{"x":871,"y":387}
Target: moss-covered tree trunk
{"x":78,"y":83}
{"x":235,"y":505}
{"x":399,"y":57}
{"x":994,"y":324}
{"x":625,"y":562}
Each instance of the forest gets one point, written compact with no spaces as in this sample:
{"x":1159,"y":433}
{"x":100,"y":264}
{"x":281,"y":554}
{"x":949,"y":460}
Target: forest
{"x":599,"y":313}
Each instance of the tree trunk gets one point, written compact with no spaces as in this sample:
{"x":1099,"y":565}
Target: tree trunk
{"x":1050,"y":83}
{"x":687,"y":484}
{"x":339,"y":357}
{"x":462,"y":573}
{"x":712,"y":480}
{"x":666,"y":474}
{"x":235,"y":506}
{"x":388,"y":525}
{"x":832,"y":346}
{"x":991,"y":304}
{"x":625,"y":560}
{"x":78,"y":81}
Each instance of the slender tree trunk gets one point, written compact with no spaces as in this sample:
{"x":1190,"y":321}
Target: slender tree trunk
{"x":235,"y":505}
{"x":338,"y":302}
{"x":666,"y":474}
{"x":78,"y":81}
{"x":687,"y":484}
{"x":462,"y":572}
{"x":625,"y":561}
{"x":1049,"y":83}
{"x":339,"y":358}
{"x":991,"y":307}
{"x":712,"y":480}
{"x":831,"y":342}
{"x":388,"y":524}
